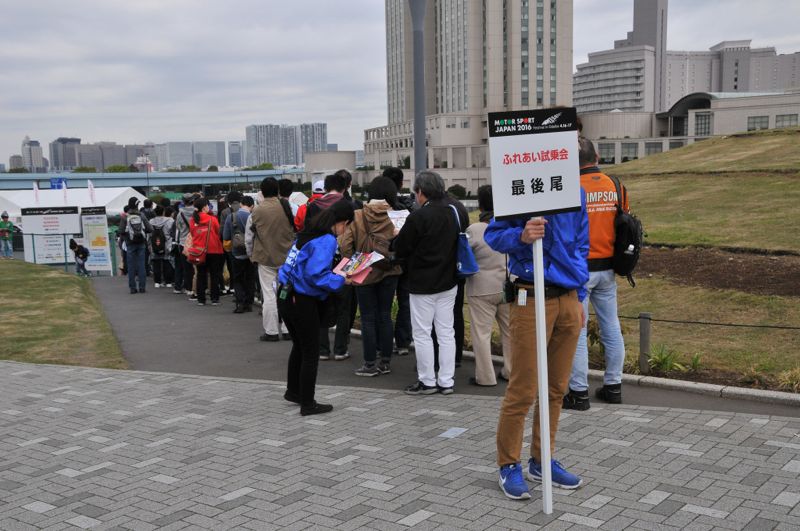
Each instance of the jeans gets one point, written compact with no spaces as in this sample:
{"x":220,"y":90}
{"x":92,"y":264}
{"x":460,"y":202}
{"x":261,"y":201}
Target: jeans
{"x":375,"y":302}
{"x":563,"y":324}
{"x":602,"y":291}
{"x":301,"y":314}
{"x":344,"y":322}
{"x":428,"y":311}
{"x":212,"y":268}
{"x":136,"y":266}
{"x":8,"y":250}
{"x":402,"y":326}
{"x":162,"y":271}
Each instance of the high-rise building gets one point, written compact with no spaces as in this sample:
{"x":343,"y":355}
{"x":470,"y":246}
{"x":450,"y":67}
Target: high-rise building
{"x":235,"y":158}
{"x":113,"y":154}
{"x":480,"y":56}
{"x":32,"y":158}
{"x":89,"y":156}
{"x":641,"y":75}
{"x":62,"y":153}
{"x":2,"y":168}
{"x":15,"y":162}
{"x":208,"y":154}
{"x":174,"y":155}
{"x":284,"y":144}
{"x":332,"y":147}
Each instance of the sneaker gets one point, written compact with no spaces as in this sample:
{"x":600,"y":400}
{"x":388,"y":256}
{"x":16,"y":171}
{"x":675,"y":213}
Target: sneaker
{"x":325,"y":357}
{"x":341,"y":357}
{"x":419,"y":388}
{"x":401,"y":351}
{"x":177,"y":291}
{"x":167,"y":285}
{"x":201,"y":303}
{"x":214,"y":303}
{"x":156,"y":285}
{"x":368,"y":370}
{"x":316,"y":409}
{"x":512,"y":483}
{"x":446,"y":390}
{"x":193,"y":297}
{"x":578,"y":400}
{"x":384,"y":367}
{"x":610,"y":393}
{"x":561,"y":478}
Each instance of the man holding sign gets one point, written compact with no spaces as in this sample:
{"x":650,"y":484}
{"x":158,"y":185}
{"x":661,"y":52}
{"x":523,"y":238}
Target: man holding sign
{"x":534,"y":162}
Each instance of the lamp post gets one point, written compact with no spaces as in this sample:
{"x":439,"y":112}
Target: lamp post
{"x":147,"y":169}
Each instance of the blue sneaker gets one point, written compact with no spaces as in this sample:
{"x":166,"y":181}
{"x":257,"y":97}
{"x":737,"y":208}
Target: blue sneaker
{"x":561,"y":478}
{"x":512,"y":483}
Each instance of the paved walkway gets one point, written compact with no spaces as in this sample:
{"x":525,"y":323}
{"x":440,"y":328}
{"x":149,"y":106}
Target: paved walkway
{"x":161,"y":331}
{"x":90,"y":448}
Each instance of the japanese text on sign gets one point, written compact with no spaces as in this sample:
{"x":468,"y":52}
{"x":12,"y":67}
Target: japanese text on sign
{"x":545,"y":155}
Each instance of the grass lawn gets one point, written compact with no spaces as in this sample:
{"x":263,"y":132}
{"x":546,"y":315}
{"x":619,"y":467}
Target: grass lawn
{"x":735,"y":350}
{"x":48,"y":316}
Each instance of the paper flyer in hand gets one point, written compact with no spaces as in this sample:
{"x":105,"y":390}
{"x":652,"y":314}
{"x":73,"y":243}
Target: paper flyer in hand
{"x":357,"y":267}
{"x":398,"y":218}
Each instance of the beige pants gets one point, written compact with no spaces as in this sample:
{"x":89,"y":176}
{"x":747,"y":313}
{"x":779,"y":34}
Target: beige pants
{"x":483,"y":311}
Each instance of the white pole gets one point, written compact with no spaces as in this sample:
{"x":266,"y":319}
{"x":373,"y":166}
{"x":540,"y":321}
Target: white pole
{"x":541,"y":363}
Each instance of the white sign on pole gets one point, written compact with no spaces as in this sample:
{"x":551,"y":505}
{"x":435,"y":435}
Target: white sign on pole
{"x":535,"y":171}
{"x":95,"y":238}
{"x":44,"y":233}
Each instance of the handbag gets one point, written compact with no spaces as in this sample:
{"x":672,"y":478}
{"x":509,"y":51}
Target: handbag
{"x":466,"y":265}
{"x":195,"y":254}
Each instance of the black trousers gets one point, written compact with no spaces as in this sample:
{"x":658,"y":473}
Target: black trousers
{"x":345,"y":300}
{"x":243,"y":281}
{"x":212,"y":268}
{"x":301,"y":314}
{"x":162,"y":271}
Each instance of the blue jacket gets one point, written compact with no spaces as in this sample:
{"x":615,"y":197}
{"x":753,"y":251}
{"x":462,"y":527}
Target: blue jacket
{"x":565,"y":244}
{"x":309,"y":269}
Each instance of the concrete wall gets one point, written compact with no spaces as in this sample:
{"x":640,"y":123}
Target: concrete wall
{"x":323,"y":161}
{"x":618,"y":125}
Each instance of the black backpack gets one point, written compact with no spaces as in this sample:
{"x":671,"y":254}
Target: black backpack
{"x":158,"y":241}
{"x":629,"y":238}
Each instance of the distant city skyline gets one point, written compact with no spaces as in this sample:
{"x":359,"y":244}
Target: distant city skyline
{"x":151,"y":71}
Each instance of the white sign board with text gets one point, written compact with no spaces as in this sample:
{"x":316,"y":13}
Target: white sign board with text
{"x":534,"y":159}
{"x":44,"y":231}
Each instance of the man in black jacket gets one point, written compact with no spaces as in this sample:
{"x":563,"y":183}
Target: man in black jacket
{"x":428,"y":242}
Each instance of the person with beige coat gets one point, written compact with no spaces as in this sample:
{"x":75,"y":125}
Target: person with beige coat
{"x":372,"y":230}
{"x":486,"y":298}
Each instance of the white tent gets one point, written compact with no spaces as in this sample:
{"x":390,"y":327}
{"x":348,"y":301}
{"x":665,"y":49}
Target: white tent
{"x":114,"y":199}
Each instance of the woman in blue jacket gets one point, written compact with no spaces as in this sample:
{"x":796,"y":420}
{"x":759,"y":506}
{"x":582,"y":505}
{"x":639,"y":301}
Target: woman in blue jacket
{"x":305,"y":281}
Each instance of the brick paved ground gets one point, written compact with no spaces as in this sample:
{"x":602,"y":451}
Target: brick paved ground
{"x":88,"y":448}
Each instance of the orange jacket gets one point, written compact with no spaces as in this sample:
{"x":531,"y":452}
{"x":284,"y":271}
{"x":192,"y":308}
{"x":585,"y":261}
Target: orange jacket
{"x":300,"y":217}
{"x":601,"y":205}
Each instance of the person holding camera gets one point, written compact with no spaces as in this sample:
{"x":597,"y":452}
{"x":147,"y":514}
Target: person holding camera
{"x":306,"y":280}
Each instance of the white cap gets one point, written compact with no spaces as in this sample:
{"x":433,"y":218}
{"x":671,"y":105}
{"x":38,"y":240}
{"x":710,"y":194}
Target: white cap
{"x":319,"y":187}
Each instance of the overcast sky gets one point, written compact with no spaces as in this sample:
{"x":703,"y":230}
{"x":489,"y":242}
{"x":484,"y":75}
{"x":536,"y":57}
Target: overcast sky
{"x":166,"y":70}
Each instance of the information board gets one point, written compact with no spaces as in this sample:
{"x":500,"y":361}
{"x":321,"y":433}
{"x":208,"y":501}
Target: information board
{"x":534,"y":159}
{"x":45,"y":232}
{"x":95,"y":238}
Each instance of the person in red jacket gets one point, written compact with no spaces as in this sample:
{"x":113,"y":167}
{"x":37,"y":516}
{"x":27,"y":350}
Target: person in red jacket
{"x":300,"y":218}
{"x":204,"y":226}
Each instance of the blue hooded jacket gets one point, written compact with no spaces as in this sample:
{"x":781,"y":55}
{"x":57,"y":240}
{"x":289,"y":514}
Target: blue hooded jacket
{"x":309,"y":269}
{"x":565,"y":244}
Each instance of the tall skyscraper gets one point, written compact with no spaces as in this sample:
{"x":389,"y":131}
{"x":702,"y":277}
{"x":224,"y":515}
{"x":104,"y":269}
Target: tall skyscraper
{"x":284,"y":144}
{"x":62,"y":153}
{"x":208,"y":154}
{"x":32,"y":158}
{"x":480,"y":56}
{"x":15,"y":162}
{"x":235,"y":158}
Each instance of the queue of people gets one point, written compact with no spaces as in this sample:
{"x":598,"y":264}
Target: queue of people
{"x":288,"y":257}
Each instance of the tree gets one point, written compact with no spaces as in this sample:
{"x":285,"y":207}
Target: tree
{"x":85,"y":169}
{"x":18,"y":170}
{"x":260,"y":167}
{"x":406,"y":162}
{"x":457,"y":191}
{"x":190,"y":167}
{"x":212,"y":168}
{"x":117,"y":168}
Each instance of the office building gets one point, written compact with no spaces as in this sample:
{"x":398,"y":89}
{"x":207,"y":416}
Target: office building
{"x":480,"y":57}
{"x":2,"y":168}
{"x":89,"y":156}
{"x":15,"y":162}
{"x":641,"y":75}
{"x":235,"y":158}
{"x":32,"y":158}
{"x":284,"y":145}
{"x":332,"y":147}
{"x":62,"y":153}
{"x":207,"y":154}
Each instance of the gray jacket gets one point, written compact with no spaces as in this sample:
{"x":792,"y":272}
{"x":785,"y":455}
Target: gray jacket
{"x":167,"y":225}
{"x":183,"y":224}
